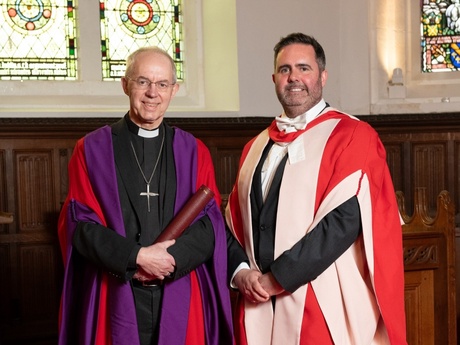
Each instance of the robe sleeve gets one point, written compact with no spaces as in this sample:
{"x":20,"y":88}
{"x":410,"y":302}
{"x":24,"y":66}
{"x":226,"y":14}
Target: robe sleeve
{"x":236,"y":255}
{"x":319,"y":248}
{"x":106,"y":249}
{"x":193,"y":247}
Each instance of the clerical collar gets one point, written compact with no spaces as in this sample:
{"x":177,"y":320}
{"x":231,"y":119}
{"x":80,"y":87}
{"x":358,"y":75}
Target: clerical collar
{"x":144,"y":133}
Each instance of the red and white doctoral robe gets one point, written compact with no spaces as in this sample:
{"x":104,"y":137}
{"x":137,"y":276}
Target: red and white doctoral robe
{"x":361,"y":295}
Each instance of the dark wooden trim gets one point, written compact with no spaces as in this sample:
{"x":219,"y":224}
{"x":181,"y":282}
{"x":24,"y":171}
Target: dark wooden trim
{"x":396,"y":123}
{"x":56,"y":126}
{"x":76,"y":126}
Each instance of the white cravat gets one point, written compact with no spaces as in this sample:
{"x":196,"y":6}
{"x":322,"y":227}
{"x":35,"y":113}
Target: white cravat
{"x":290,"y":125}
{"x":278,"y":150}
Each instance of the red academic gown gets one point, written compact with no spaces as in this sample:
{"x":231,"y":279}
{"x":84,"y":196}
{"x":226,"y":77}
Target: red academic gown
{"x":196,"y":308}
{"x":359,"y":299}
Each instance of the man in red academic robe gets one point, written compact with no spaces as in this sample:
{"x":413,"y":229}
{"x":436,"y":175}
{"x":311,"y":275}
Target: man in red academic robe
{"x":316,"y":251}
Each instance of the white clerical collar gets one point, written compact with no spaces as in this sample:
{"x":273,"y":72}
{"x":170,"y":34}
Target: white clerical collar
{"x":145,"y":133}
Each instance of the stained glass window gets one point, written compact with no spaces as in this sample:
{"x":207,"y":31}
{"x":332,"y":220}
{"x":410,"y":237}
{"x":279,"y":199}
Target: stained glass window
{"x":127,"y":25}
{"x":37,"y":40}
{"x":440,"y":31}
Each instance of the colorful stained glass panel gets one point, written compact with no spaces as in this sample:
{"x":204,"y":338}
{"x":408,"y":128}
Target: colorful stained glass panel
{"x":37,"y":40}
{"x":440,"y":35}
{"x":127,"y":25}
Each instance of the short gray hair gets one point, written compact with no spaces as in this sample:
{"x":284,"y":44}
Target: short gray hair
{"x":130,"y":61}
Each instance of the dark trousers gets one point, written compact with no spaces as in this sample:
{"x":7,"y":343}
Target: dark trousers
{"x":148,"y":303}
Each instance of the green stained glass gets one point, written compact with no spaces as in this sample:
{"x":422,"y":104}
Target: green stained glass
{"x":127,"y":25}
{"x":440,"y":35}
{"x":37,"y":40}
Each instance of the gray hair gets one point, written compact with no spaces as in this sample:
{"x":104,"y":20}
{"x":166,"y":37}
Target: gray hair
{"x":130,"y":61}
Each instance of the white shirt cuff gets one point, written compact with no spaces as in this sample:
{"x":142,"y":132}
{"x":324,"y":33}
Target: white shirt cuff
{"x":242,"y":266}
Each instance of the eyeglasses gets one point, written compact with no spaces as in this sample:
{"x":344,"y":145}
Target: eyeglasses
{"x":144,"y":84}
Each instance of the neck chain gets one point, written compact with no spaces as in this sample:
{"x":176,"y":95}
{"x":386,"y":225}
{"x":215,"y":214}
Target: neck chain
{"x":147,"y":193}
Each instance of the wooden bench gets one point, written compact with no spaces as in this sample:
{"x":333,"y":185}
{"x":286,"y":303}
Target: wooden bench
{"x":429,"y":270}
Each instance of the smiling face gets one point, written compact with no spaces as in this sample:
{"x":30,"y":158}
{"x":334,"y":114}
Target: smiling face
{"x":298,"y":80}
{"x":148,"y":105}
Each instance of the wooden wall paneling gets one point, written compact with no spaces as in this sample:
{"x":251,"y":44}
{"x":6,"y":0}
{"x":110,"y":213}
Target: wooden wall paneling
{"x":226,"y":168}
{"x":441,"y":128}
{"x":5,"y":273}
{"x":419,"y":305}
{"x":408,"y":174}
{"x":429,"y":166}
{"x":421,"y":263}
{"x":451,"y":175}
{"x":225,"y":139}
{"x":35,"y":180}
{"x":429,"y":265}
{"x":38,"y":288}
{"x":34,"y":265}
{"x":395,"y":161}
{"x":35,"y":253}
{"x":5,"y":267}
{"x":9,"y":297}
{"x":456,"y":177}
{"x":3,"y":195}
{"x":63,"y":159}
{"x":457,"y":276}
{"x":397,"y":146}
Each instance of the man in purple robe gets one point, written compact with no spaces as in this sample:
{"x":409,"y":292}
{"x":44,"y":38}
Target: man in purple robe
{"x":127,"y":181}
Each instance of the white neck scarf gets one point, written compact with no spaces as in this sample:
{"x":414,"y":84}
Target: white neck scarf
{"x":290,"y":125}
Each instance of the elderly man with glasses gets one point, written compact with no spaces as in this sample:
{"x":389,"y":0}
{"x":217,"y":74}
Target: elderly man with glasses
{"x":127,"y":182}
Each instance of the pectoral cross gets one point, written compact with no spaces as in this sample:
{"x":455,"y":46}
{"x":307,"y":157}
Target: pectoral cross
{"x":148,"y":194}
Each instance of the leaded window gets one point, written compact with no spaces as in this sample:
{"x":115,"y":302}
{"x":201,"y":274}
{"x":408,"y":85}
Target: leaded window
{"x":440,"y":35}
{"x":127,"y":25}
{"x":38,"y":40}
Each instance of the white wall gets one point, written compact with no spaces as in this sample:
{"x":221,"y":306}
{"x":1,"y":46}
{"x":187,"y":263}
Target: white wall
{"x":337,"y":25}
{"x":363,"y":39}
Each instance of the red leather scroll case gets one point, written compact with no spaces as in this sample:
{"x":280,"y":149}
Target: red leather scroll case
{"x":187,"y":214}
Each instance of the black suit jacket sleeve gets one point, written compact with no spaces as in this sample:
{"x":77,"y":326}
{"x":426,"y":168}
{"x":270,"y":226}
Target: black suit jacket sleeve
{"x":194,"y":247}
{"x":106,"y":249}
{"x":317,"y":250}
{"x":117,"y":254}
{"x":236,"y":255}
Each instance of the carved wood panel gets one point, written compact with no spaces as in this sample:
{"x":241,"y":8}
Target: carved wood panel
{"x":3,"y":195}
{"x":34,"y":179}
{"x":429,"y":265}
{"x":454,"y":166}
{"x":430,"y":169}
{"x":395,"y":160}
{"x":29,"y":252}
{"x":5,"y":273}
{"x":226,"y":162}
{"x":418,"y":299}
